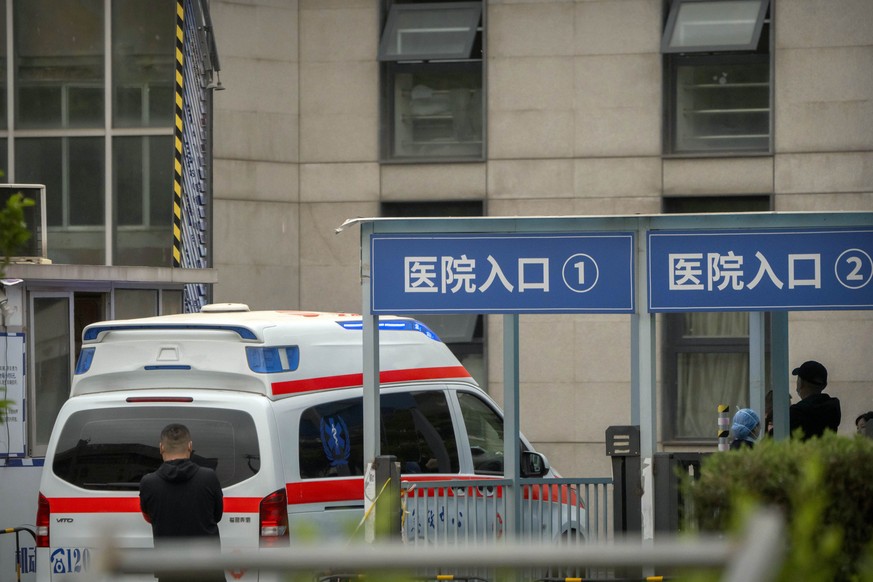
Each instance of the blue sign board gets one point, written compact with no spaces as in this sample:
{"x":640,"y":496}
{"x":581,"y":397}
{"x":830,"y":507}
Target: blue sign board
{"x":760,"y":270}
{"x":502,"y":273}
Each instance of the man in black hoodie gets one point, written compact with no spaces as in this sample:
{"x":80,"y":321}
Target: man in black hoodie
{"x":182,"y":499}
{"x":816,"y":411}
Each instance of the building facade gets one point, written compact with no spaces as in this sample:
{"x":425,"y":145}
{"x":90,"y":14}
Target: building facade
{"x":87,"y":130}
{"x":337,"y":109}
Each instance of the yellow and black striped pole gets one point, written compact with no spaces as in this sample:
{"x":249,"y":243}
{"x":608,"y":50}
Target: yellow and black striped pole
{"x":724,"y":426}
{"x":177,"y":135}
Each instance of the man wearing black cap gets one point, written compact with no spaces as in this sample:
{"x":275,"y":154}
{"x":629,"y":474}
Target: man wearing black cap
{"x":816,"y":411}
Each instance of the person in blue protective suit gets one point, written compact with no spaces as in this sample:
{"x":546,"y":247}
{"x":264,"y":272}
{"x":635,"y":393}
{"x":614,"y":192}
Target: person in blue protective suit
{"x":745,"y":428}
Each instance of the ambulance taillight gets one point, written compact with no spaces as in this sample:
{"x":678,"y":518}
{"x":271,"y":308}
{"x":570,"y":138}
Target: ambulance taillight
{"x":273,"y":520}
{"x":42,"y":522}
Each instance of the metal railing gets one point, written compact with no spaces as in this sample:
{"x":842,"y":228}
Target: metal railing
{"x":754,"y":556}
{"x":470,"y":513}
{"x":443,"y":512}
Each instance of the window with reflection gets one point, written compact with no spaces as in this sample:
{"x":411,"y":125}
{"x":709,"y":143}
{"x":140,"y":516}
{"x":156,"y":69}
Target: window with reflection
{"x":72,"y":169}
{"x":134,"y":303}
{"x":143,"y":68}
{"x":717,"y":56}
{"x":416,"y":428}
{"x":484,"y":426}
{"x":485,"y":431}
{"x":171,"y":301}
{"x":63,"y":55}
{"x":432,"y":90}
{"x":142,"y":186}
{"x":59,"y":72}
{"x":51,"y":345}
{"x":112,"y":449}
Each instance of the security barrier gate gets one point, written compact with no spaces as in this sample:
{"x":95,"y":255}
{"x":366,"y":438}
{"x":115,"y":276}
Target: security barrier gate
{"x":469,"y":513}
{"x":443,"y":512}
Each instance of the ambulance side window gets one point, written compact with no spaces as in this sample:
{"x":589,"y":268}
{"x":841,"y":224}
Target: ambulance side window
{"x":416,"y":428}
{"x":485,"y":431}
{"x":332,"y":440}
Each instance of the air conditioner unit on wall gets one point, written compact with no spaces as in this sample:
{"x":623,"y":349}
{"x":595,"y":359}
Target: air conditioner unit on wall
{"x":35,"y":250}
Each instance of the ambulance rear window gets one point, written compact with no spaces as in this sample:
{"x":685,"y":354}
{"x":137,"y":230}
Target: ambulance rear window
{"x":111,"y":449}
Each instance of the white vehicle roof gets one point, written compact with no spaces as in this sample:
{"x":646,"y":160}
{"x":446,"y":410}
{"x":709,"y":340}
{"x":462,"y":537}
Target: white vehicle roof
{"x":272,"y":353}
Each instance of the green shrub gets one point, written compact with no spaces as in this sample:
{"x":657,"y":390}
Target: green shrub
{"x":13,"y":228}
{"x":823,"y":487}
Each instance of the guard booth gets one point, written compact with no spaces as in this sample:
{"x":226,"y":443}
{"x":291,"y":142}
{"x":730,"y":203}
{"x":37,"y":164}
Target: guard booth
{"x":43,"y":309}
{"x":635,"y":265}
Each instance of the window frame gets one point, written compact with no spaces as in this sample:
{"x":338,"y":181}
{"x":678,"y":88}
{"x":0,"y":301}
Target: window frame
{"x":390,"y":151}
{"x":97,"y":242}
{"x":311,"y":447}
{"x":674,"y":63}
{"x":395,"y":14}
{"x":761,"y":52}
{"x":38,"y":423}
{"x":392,"y":66}
{"x":462,"y":397}
{"x":673,"y":20}
{"x":86,"y":304}
{"x":210,"y":453}
{"x":676,"y":344}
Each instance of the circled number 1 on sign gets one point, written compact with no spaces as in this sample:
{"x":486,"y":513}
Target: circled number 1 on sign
{"x":580,"y":273}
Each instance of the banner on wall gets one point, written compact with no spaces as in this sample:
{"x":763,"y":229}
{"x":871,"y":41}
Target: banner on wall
{"x":12,"y":390}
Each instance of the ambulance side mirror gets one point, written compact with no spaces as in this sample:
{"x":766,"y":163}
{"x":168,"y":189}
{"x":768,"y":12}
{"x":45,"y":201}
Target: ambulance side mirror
{"x":533,"y":464}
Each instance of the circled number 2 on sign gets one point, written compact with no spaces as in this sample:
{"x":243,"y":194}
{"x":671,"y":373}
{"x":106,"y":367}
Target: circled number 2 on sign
{"x":854,"y":268}
{"x":580,"y":273}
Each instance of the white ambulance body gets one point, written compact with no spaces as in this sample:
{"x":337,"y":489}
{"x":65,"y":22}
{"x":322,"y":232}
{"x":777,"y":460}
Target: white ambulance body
{"x":274,"y":404}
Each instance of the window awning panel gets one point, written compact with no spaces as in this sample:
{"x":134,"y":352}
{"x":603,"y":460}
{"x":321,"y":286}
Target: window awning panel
{"x":714,"y":25}
{"x":421,"y":32}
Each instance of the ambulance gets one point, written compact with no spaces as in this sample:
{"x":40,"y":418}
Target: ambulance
{"x":273,"y":400}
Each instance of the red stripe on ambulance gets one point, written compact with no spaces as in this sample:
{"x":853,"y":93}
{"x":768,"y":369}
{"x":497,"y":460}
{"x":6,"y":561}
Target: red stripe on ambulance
{"x":93,"y":504}
{"x":351,"y":380}
{"x":131,"y":504}
{"x":349,"y":489}
{"x":323,"y":491}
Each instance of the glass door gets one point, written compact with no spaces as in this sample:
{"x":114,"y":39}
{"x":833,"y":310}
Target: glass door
{"x":50,"y":316}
